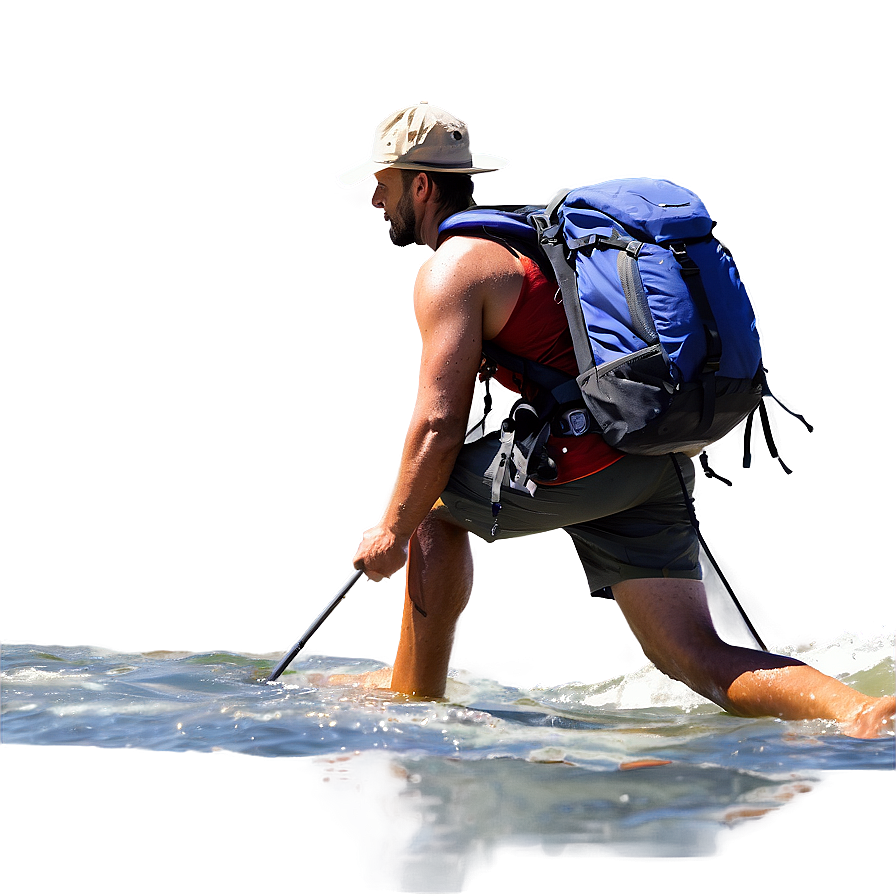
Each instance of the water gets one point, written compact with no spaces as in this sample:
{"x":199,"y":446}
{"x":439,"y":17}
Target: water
{"x":638,"y":766}
{"x":175,"y":701}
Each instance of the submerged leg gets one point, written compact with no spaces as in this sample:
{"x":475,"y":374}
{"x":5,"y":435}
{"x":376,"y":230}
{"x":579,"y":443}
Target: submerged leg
{"x":671,"y":620}
{"x":439,"y":582}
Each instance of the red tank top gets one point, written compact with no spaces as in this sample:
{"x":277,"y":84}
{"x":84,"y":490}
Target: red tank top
{"x":537,"y":330}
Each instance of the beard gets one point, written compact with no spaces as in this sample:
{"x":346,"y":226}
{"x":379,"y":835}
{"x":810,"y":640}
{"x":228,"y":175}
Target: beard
{"x":403,"y":229}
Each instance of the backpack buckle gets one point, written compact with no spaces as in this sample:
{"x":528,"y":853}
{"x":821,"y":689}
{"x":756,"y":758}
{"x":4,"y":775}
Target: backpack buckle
{"x":574,"y":422}
{"x":539,"y":221}
{"x":685,"y":262}
{"x":547,"y":235}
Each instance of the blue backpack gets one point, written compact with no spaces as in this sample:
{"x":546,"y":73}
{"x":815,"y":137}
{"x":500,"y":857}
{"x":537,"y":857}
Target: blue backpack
{"x":663,"y":330}
{"x":664,"y":334}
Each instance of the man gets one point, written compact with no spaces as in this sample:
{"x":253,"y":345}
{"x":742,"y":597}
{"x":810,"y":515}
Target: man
{"x":625,"y":514}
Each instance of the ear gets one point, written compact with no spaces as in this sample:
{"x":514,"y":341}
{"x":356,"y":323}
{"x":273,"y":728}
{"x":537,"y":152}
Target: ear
{"x":422,"y":187}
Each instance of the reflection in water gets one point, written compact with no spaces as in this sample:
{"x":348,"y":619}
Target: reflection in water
{"x":464,"y":811}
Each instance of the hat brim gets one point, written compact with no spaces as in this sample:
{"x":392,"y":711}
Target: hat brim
{"x":482,"y":164}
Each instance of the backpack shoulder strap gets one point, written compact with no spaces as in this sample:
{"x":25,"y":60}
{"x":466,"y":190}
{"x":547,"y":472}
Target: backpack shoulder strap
{"x":551,"y":239}
{"x":505,"y":224}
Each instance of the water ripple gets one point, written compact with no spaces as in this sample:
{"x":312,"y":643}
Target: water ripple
{"x":176,"y":701}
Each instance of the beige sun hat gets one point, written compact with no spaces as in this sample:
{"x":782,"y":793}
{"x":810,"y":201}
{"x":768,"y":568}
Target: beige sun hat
{"x":423,"y":138}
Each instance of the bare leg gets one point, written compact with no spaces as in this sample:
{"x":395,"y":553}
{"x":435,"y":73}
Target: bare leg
{"x":671,"y":620}
{"x":439,"y":581}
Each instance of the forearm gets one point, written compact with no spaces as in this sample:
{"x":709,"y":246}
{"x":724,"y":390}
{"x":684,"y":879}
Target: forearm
{"x":430,"y":450}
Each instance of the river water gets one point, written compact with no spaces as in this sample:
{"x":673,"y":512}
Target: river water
{"x":636,"y":766}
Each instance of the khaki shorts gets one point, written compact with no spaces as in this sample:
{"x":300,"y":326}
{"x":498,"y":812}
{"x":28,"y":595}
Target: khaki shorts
{"x":628,"y":521}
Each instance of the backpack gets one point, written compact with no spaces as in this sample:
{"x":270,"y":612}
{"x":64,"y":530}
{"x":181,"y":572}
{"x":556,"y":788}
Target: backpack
{"x":664,"y":334}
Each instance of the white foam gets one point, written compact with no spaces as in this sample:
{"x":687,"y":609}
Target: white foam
{"x":647,"y":687}
{"x":40,"y":676}
{"x":846,"y":654}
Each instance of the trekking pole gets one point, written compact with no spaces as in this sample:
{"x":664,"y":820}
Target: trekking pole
{"x":289,"y":657}
{"x":695,"y":524}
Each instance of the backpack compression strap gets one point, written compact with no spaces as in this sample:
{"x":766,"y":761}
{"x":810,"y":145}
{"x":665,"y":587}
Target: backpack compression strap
{"x":766,"y":425}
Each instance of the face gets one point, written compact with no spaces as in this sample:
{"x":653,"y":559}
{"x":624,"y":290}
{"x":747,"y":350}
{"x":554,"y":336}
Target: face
{"x":397,"y":206}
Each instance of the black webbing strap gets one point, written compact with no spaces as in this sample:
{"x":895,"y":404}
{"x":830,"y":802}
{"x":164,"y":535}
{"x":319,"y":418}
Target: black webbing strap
{"x":689,"y":504}
{"x":709,"y":472}
{"x":767,"y":391}
{"x":600,"y":242}
{"x":766,"y":424}
{"x":694,"y":281}
{"x":709,"y":401}
{"x":691,"y":274}
{"x":769,"y":439}
{"x":548,"y":378}
{"x":748,"y":435}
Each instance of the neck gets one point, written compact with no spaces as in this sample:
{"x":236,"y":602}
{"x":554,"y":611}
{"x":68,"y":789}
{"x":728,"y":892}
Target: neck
{"x":429,"y":229}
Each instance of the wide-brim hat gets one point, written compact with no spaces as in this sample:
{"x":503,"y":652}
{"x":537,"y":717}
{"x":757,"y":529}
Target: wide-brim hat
{"x":423,"y":138}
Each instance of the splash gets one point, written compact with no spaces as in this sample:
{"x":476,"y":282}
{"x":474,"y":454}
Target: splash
{"x":865,"y":664}
{"x":865,"y":661}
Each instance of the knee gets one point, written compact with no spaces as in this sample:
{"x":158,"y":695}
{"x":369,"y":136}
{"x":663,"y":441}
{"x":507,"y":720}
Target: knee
{"x":671,"y":620}
{"x":440,"y":568}
{"x":678,"y":665}
{"x":691,"y":658}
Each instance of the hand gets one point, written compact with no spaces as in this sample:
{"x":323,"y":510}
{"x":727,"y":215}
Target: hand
{"x":380,"y":553}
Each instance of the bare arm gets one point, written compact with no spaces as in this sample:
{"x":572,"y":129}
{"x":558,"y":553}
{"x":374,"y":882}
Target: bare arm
{"x":450,"y":298}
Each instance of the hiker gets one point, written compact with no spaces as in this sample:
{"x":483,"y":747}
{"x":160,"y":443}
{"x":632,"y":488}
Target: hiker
{"x":626,"y":514}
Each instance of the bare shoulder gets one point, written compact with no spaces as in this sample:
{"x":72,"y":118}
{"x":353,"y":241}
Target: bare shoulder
{"x":471,"y":279}
{"x":471,"y":264}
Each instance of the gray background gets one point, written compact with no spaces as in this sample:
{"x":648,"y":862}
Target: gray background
{"x":208,"y":349}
